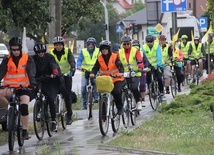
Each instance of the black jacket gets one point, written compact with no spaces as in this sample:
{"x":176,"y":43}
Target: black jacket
{"x":31,"y":68}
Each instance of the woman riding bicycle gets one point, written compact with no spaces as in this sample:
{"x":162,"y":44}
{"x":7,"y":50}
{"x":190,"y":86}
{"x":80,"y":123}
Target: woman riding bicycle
{"x":108,"y":63}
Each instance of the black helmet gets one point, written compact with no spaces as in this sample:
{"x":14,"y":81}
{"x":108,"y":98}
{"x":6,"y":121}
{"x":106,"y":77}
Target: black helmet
{"x":39,"y":47}
{"x":125,"y":39}
{"x":15,"y":41}
{"x":115,"y":47}
{"x":149,"y":38}
{"x":91,"y":40}
{"x":105,"y":44}
{"x":58,"y":39}
{"x":135,"y":43}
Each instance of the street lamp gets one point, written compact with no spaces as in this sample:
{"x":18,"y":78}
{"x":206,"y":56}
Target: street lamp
{"x":106,"y":18}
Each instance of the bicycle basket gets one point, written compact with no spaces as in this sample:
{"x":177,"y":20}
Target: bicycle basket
{"x":104,"y":84}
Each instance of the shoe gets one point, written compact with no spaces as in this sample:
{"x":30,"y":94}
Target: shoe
{"x":68,"y":121}
{"x":193,"y":80}
{"x":96,"y":101}
{"x":179,"y":90}
{"x":54,"y":126}
{"x":25,"y":135}
{"x":143,"y":103}
{"x":139,"y":106}
{"x":84,"y":108}
{"x":167,"y":92}
{"x":189,"y":77}
{"x":120,"y":111}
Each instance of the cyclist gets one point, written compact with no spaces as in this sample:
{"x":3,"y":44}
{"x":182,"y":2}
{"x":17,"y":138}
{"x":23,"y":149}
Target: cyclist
{"x":108,"y":63}
{"x":86,"y":60}
{"x":209,"y":44}
{"x":196,"y":52}
{"x":64,"y":57}
{"x":131,"y":55}
{"x":152,"y":50}
{"x":184,"y":46}
{"x":177,"y":56}
{"x":166,"y":61}
{"x":46,"y":65}
{"x":18,"y":69}
{"x":115,"y":48}
{"x":136,"y":44}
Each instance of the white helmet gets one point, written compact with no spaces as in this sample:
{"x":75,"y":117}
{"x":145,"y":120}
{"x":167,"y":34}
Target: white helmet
{"x":58,"y":39}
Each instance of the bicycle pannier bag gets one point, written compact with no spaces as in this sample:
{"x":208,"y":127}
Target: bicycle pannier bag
{"x":104,"y":84}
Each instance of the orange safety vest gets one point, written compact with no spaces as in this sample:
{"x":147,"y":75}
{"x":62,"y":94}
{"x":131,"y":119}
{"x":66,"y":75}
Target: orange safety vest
{"x":111,"y":69}
{"x":16,"y":76}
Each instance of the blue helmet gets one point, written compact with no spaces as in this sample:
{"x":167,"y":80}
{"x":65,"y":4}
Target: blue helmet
{"x":91,"y":40}
{"x":115,"y":47}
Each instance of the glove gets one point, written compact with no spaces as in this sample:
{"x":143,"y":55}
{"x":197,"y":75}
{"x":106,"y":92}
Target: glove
{"x":71,"y":74}
{"x":55,"y":71}
{"x":32,"y":86}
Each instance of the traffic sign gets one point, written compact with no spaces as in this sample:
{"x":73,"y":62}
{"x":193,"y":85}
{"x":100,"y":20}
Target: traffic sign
{"x":152,"y":31}
{"x":203,"y":22}
{"x":173,"y":5}
{"x":119,"y":28}
{"x":159,"y":27}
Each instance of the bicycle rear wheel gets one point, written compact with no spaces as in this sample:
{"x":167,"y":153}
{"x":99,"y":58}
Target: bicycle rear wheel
{"x":153,"y":95}
{"x":89,"y":104}
{"x":48,"y":118}
{"x":173,"y":86}
{"x":115,"y":120}
{"x":19,"y":131}
{"x":125,"y":115}
{"x":11,"y":127}
{"x":103,"y":118}
{"x":133,"y":110}
{"x":38,"y":119}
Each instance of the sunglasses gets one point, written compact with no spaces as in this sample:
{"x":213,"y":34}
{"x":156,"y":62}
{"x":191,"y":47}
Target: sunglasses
{"x":15,"y":49}
{"x":41,"y":52}
{"x":126,"y":44}
{"x":149,"y":41}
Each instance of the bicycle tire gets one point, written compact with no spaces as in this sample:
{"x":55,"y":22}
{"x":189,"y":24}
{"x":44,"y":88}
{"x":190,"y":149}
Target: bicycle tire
{"x":173,"y":86}
{"x":103,"y":118}
{"x":115,"y":120}
{"x":89,"y":104}
{"x":153,"y":95}
{"x":48,"y":119}
{"x":133,"y":110}
{"x":38,"y":123}
{"x":11,"y":128}
{"x":64,"y":117}
{"x":125,"y":115}
{"x":19,"y":130}
{"x":197,"y":76}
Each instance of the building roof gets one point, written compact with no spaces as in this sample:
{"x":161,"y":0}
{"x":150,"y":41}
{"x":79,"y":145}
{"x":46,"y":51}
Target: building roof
{"x":125,"y":4}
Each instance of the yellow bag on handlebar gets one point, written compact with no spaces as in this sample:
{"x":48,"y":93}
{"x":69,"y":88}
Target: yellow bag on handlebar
{"x":104,"y":84}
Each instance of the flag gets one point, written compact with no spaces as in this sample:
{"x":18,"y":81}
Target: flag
{"x":24,"y":41}
{"x":43,"y":39}
{"x":72,"y":46}
{"x":192,"y":36}
{"x":175,"y":37}
{"x":157,"y":39}
{"x":205,"y":37}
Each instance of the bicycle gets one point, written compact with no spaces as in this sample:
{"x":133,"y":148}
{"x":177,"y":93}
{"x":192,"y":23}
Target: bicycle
{"x":107,"y":111}
{"x":14,"y":124}
{"x":89,"y":90}
{"x":41,"y":112}
{"x":173,"y":80}
{"x":155,"y":97}
{"x":130,"y":110}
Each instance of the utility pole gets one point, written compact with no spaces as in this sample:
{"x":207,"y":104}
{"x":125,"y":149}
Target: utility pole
{"x":51,"y":27}
{"x":174,"y":23}
{"x":106,"y":18}
{"x":58,"y":12}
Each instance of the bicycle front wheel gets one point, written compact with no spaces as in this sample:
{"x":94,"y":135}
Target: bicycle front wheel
{"x":48,"y":119}
{"x":173,"y":86}
{"x":38,"y":119}
{"x":133,"y":110}
{"x":19,"y":131}
{"x":64,"y":116}
{"x":115,"y":120}
{"x":11,"y":127}
{"x":103,"y":117}
{"x":125,"y":115}
{"x":89,"y":104}
{"x":153,"y":95}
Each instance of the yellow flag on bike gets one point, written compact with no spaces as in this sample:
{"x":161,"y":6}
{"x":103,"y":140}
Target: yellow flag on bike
{"x":175,"y":37}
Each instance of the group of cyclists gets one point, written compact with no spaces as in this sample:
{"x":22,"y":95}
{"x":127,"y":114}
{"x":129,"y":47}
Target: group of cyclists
{"x":20,"y":70}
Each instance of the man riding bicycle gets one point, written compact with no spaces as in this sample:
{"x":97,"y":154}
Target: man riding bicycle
{"x":18,"y":69}
{"x":196,"y":52}
{"x":131,"y":56}
{"x":108,"y":64}
{"x":64,"y":57}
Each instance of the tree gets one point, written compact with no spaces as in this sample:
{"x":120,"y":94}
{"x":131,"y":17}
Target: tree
{"x":210,"y":8}
{"x":137,"y":7}
{"x":35,"y":16}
